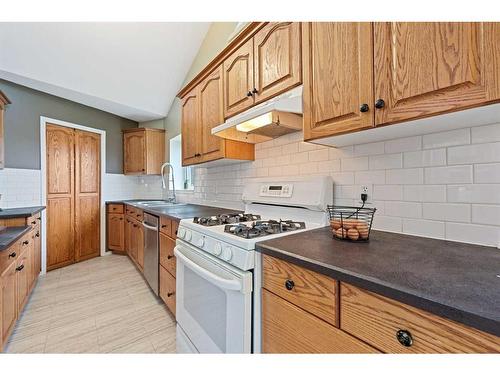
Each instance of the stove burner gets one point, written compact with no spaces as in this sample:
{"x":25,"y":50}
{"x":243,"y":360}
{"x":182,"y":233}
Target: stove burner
{"x":209,"y":221}
{"x":263,"y":228}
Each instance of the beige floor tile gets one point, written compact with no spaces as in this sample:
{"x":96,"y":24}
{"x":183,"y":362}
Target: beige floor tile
{"x":83,"y":343}
{"x":29,"y":344}
{"x":143,"y":345}
{"x":164,"y":340}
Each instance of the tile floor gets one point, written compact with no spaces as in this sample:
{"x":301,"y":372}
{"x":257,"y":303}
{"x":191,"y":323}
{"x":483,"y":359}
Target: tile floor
{"x":102,"y":305}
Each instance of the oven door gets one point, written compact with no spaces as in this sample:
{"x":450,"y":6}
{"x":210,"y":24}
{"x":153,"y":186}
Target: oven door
{"x":213,"y":302}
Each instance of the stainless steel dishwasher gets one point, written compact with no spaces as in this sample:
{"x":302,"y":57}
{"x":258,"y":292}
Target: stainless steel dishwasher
{"x":151,"y":250}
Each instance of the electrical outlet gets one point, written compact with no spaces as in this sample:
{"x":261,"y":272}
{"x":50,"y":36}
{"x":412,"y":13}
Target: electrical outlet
{"x":365,"y":189}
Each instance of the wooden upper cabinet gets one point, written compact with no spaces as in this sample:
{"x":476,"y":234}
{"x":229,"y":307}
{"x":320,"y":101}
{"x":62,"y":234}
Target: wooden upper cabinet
{"x":143,"y":151}
{"x":212,"y":114}
{"x":238,"y":80}
{"x":191,"y":129}
{"x":277,"y":59}
{"x":3,"y":103}
{"x":427,"y":68}
{"x":338,"y":77}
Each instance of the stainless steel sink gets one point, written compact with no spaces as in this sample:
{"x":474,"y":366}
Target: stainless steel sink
{"x":158,"y":204}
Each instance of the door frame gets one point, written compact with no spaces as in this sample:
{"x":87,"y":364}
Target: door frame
{"x":43,"y":170}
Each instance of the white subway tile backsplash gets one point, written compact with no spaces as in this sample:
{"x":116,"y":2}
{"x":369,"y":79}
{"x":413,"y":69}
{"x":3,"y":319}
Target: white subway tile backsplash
{"x":472,"y":233}
{"x":388,"y":161}
{"x":424,"y":193}
{"x":477,"y":153}
{"x":388,"y":192}
{"x":487,"y":173}
{"x":329,"y":166}
{"x":343,"y":178}
{"x":486,"y":134}
{"x":486,"y":214}
{"x":387,"y":223}
{"x":410,"y":176}
{"x":318,"y":155}
{"x":403,"y":144}
{"x":369,"y":149}
{"x":426,"y":158}
{"x":20,"y":187}
{"x":403,"y":209}
{"x":427,"y":228}
{"x":369,"y":177}
{"x":449,"y":175}
{"x":354,"y":164}
{"x":447,"y":139}
{"x":477,"y":193}
{"x":447,"y":212}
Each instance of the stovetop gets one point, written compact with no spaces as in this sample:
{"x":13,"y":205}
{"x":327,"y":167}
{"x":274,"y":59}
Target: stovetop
{"x":262,"y":228}
{"x":209,"y":221}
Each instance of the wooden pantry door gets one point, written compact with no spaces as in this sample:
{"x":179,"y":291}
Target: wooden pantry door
{"x":73,"y":195}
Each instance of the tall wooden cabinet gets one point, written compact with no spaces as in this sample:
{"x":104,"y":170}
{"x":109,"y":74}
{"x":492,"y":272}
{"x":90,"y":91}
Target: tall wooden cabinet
{"x":4,"y":101}
{"x":190,"y":128}
{"x":143,"y":151}
{"x":360,"y":75}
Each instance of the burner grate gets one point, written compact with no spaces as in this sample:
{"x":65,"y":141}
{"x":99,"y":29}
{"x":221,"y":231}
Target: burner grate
{"x":261,"y":228}
{"x":222,"y":219}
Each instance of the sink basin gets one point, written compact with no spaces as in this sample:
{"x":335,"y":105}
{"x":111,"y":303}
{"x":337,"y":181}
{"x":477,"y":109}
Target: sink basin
{"x":159,"y":204}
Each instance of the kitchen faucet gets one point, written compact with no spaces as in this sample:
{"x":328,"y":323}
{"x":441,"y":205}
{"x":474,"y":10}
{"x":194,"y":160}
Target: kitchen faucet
{"x":164,"y":184}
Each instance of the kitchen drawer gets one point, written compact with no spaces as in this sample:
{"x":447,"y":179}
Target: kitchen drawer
{"x":130,"y":210}
{"x":8,"y":256}
{"x":377,"y":321}
{"x":34,"y":221}
{"x":307,"y":289}
{"x":167,"y":289}
{"x":175,"y":226}
{"x":115,"y":208}
{"x":167,"y":258}
{"x":166,"y":226}
{"x":289,"y":329}
{"x":134,"y":212}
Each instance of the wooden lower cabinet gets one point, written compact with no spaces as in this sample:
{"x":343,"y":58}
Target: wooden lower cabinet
{"x":378,"y":320}
{"x":8,"y":304}
{"x":116,"y":232}
{"x":287,"y":328}
{"x":167,"y":289}
{"x":167,"y":257}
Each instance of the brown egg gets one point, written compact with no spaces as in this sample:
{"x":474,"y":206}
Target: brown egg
{"x":353,"y":234}
{"x":341,"y":233}
{"x":363,"y":230}
{"x":335,"y":224}
{"x":348,"y":223}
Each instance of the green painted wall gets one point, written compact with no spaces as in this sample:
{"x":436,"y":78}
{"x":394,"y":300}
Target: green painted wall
{"x":22,"y":126}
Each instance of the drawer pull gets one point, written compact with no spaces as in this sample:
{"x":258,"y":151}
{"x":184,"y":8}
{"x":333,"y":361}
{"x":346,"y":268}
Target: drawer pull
{"x":20,"y":268}
{"x":33,"y":222}
{"x":163,"y":226}
{"x":404,"y":338}
{"x":170,"y":294}
{"x":289,"y":284}
{"x":26,"y":242}
{"x":12,"y":255}
{"x":170,"y":256}
{"x":37,"y":234}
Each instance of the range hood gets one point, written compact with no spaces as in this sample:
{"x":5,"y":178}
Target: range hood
{"x":276,"y":117}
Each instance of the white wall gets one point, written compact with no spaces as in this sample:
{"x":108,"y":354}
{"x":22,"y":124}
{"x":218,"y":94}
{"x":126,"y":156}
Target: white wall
{"x":442,"y":185}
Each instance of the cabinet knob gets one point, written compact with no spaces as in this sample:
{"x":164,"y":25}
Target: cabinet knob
{"x":364,"y":108}
{"x":163,"y":226}
{"x":20,"y":268}
{"x":255,"y":91}
{"x":289,"y":284}
{"x":12,"y":255}
{"x":37,"y":234}
{"x":380,"y":103}
{"x":26,"y":242}
{"x":170,"y":294}
{"x":170,"y":256}
{"x":249,"y":94}
{"x":404,"y":338}
{"x":33,"y":222}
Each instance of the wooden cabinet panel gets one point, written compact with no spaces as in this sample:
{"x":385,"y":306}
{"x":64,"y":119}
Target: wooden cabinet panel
{"x":128,"y":236}
{"x":277,"y":59}
{"x":167,"y":289}
{"x":211,"y":114}
{"x":376,"y":320}
{"x":134,"y":152}
{"x":115,"y":208}
{"x":23,"y":276}
{"x":60,"y":160}
{"x":191,"y":129}
{"x":116,"y":232}
{"x":166,"y":226}
{"x":167,"y":257}
{"x":312,"y":291}
{"x":133,"y":240}
{"x":37,"y":249}
{"x":426,"y":68}
{"x":238,"y":80}
{"x":8,"y":256}
{"x":139,"y":244}
{"x":175,"y":227}
{"x":155,"y":150}
{"x":289,"y":329}
{"x":8,"y":284}
{"x":338,"y":77}
{"x":60,"y":234}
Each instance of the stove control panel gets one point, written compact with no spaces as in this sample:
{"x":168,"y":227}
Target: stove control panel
{"x":277,"y":191}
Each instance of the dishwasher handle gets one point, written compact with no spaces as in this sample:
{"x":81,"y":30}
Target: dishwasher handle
{"x":150,"y":227}
{"x":207,"y":275}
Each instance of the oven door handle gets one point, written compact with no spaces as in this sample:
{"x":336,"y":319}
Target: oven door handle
{"x":207,"y":275}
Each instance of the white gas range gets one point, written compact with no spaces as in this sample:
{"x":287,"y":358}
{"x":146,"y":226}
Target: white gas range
{"x":218,"y":269}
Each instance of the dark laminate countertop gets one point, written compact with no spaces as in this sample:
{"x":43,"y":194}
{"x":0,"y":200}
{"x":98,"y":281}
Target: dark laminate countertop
{"x":179,"y":212}
{"x":10,"y":213}
{"x":9,"y":235}
{"x":454,"y":280}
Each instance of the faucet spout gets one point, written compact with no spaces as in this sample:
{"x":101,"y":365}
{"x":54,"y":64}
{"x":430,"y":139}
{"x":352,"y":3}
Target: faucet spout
{"x":165,"y":184}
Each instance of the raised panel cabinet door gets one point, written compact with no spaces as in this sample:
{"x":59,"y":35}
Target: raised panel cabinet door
{"x":277,"y":59}
{"x":134,"y":152}
{"x":60,"y":159}
{"x":190,"y":128}
{"x":60,"y":234}
{"x":167,"y":289}
{"x":211,"y":115}
{"x":239,"y":80}
{"x":426,"y":68}
{"x":9,"y":300}
{"x":338,"y":78}
{"x":128,"y":236}
{"x":23,"y":281}
{"x":116,"y":232}
{"x":140,"y":245}
{"x":37,"y":265}
{"x":87,"y":194}
{"x":133,"y":240}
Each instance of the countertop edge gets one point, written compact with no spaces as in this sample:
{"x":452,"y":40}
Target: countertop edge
{"x":378,"y":286}
{"x":27,"y":228}
{"x":29,"y":212}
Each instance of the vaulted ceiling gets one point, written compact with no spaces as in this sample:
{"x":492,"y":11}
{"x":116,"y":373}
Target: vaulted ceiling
{"x":133,"y":70}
